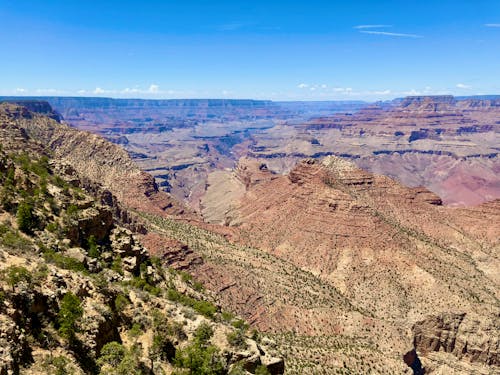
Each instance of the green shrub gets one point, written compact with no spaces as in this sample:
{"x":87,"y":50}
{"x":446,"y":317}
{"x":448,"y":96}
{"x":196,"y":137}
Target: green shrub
{"x":62,"y":261}
{"x":93,"y":248}
{"x":240,"y":324}
{"x":52,"y":227}
{"x":198,"y":286}
{"x":237,"y":339}
{"x":111,"y":354}
{"x":237,"y":369}
{"x":115,"y":359}
{"x":227,"y":316}
{"x":40,"y":273}
{"x":41,"y":167}
{"x":121,"y":302}
{"x":72,"y":211}
{"x":117,"y":265}
{"x":69,"y":313}
{"x":13,"y":240}
{"x":26,"y":220}
{"x":136,"y":330}
{"x":173,"y":295}
{"x":59,"y":182}
{"x":203,"y":307}
{"x":202,"y":360}
{"x":262,"y":370}
{"x":57,"y":365}
{"x":203,"y":333}
{"x":17,"y":274}
{"x":186,"y":277}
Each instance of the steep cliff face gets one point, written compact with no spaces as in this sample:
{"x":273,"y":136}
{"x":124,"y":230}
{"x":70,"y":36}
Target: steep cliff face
{"x":28,"y":107}
{"x":466,"y":336}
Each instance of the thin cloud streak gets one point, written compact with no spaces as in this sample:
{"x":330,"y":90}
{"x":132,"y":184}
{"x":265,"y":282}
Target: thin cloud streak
{"x":371,"y":26}
{"x":400,"y":35}
{"x":492,"y":24}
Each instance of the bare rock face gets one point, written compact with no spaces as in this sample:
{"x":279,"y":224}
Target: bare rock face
{"x":172,"y":253}
{"x":127,"y":246}
{"x":473,"y":338}
{"x":14,"y":348}
{"x":94,"y":221}
{"x":36,"y":106}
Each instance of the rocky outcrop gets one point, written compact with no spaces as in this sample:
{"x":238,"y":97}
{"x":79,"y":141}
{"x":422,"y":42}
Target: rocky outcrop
{"x":96,"y":221}
{"x":25,"y":108}
{"x":172,"y":253}
{"x":14,"y":347}
{"x":466,"y":336}
{"x":386,"y":247}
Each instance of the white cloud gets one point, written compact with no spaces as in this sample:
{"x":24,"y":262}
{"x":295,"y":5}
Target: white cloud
{"x":400,"y":35}
{"x":342,"y":89}
{"x":98,"y":91}
{"x":492,"y":24}
{"x":383,"y":92}
{"x":20,"y":90}
{"x":313,"y":87}
{"x":463,"y":86}
{"x":154,"y":89}
{"x":371,"y":26}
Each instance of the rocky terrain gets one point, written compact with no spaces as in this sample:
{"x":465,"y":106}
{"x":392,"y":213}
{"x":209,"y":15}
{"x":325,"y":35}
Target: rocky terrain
{"x":341,"y":271}
{"x":449,"y":145}
{"x":180,"y":142}
{"x":79,"y":292}
{"x":399,"y":258}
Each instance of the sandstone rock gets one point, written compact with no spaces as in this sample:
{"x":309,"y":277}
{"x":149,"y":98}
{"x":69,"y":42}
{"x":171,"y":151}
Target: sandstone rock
{"x":76,"y":253}
{"x":14,"y":349}
{"x":130,"y":264}
{"x":463,"y":335}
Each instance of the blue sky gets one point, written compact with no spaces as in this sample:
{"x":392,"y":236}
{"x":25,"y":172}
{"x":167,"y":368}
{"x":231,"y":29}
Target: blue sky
{"x":282,"y":50}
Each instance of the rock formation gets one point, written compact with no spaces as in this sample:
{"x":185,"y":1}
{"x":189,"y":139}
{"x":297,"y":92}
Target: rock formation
{"x":342,"y":270}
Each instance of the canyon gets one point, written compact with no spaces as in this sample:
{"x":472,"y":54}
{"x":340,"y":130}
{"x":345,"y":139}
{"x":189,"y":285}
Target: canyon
{"x":340,"y":269}
{"x":446,"y":144}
